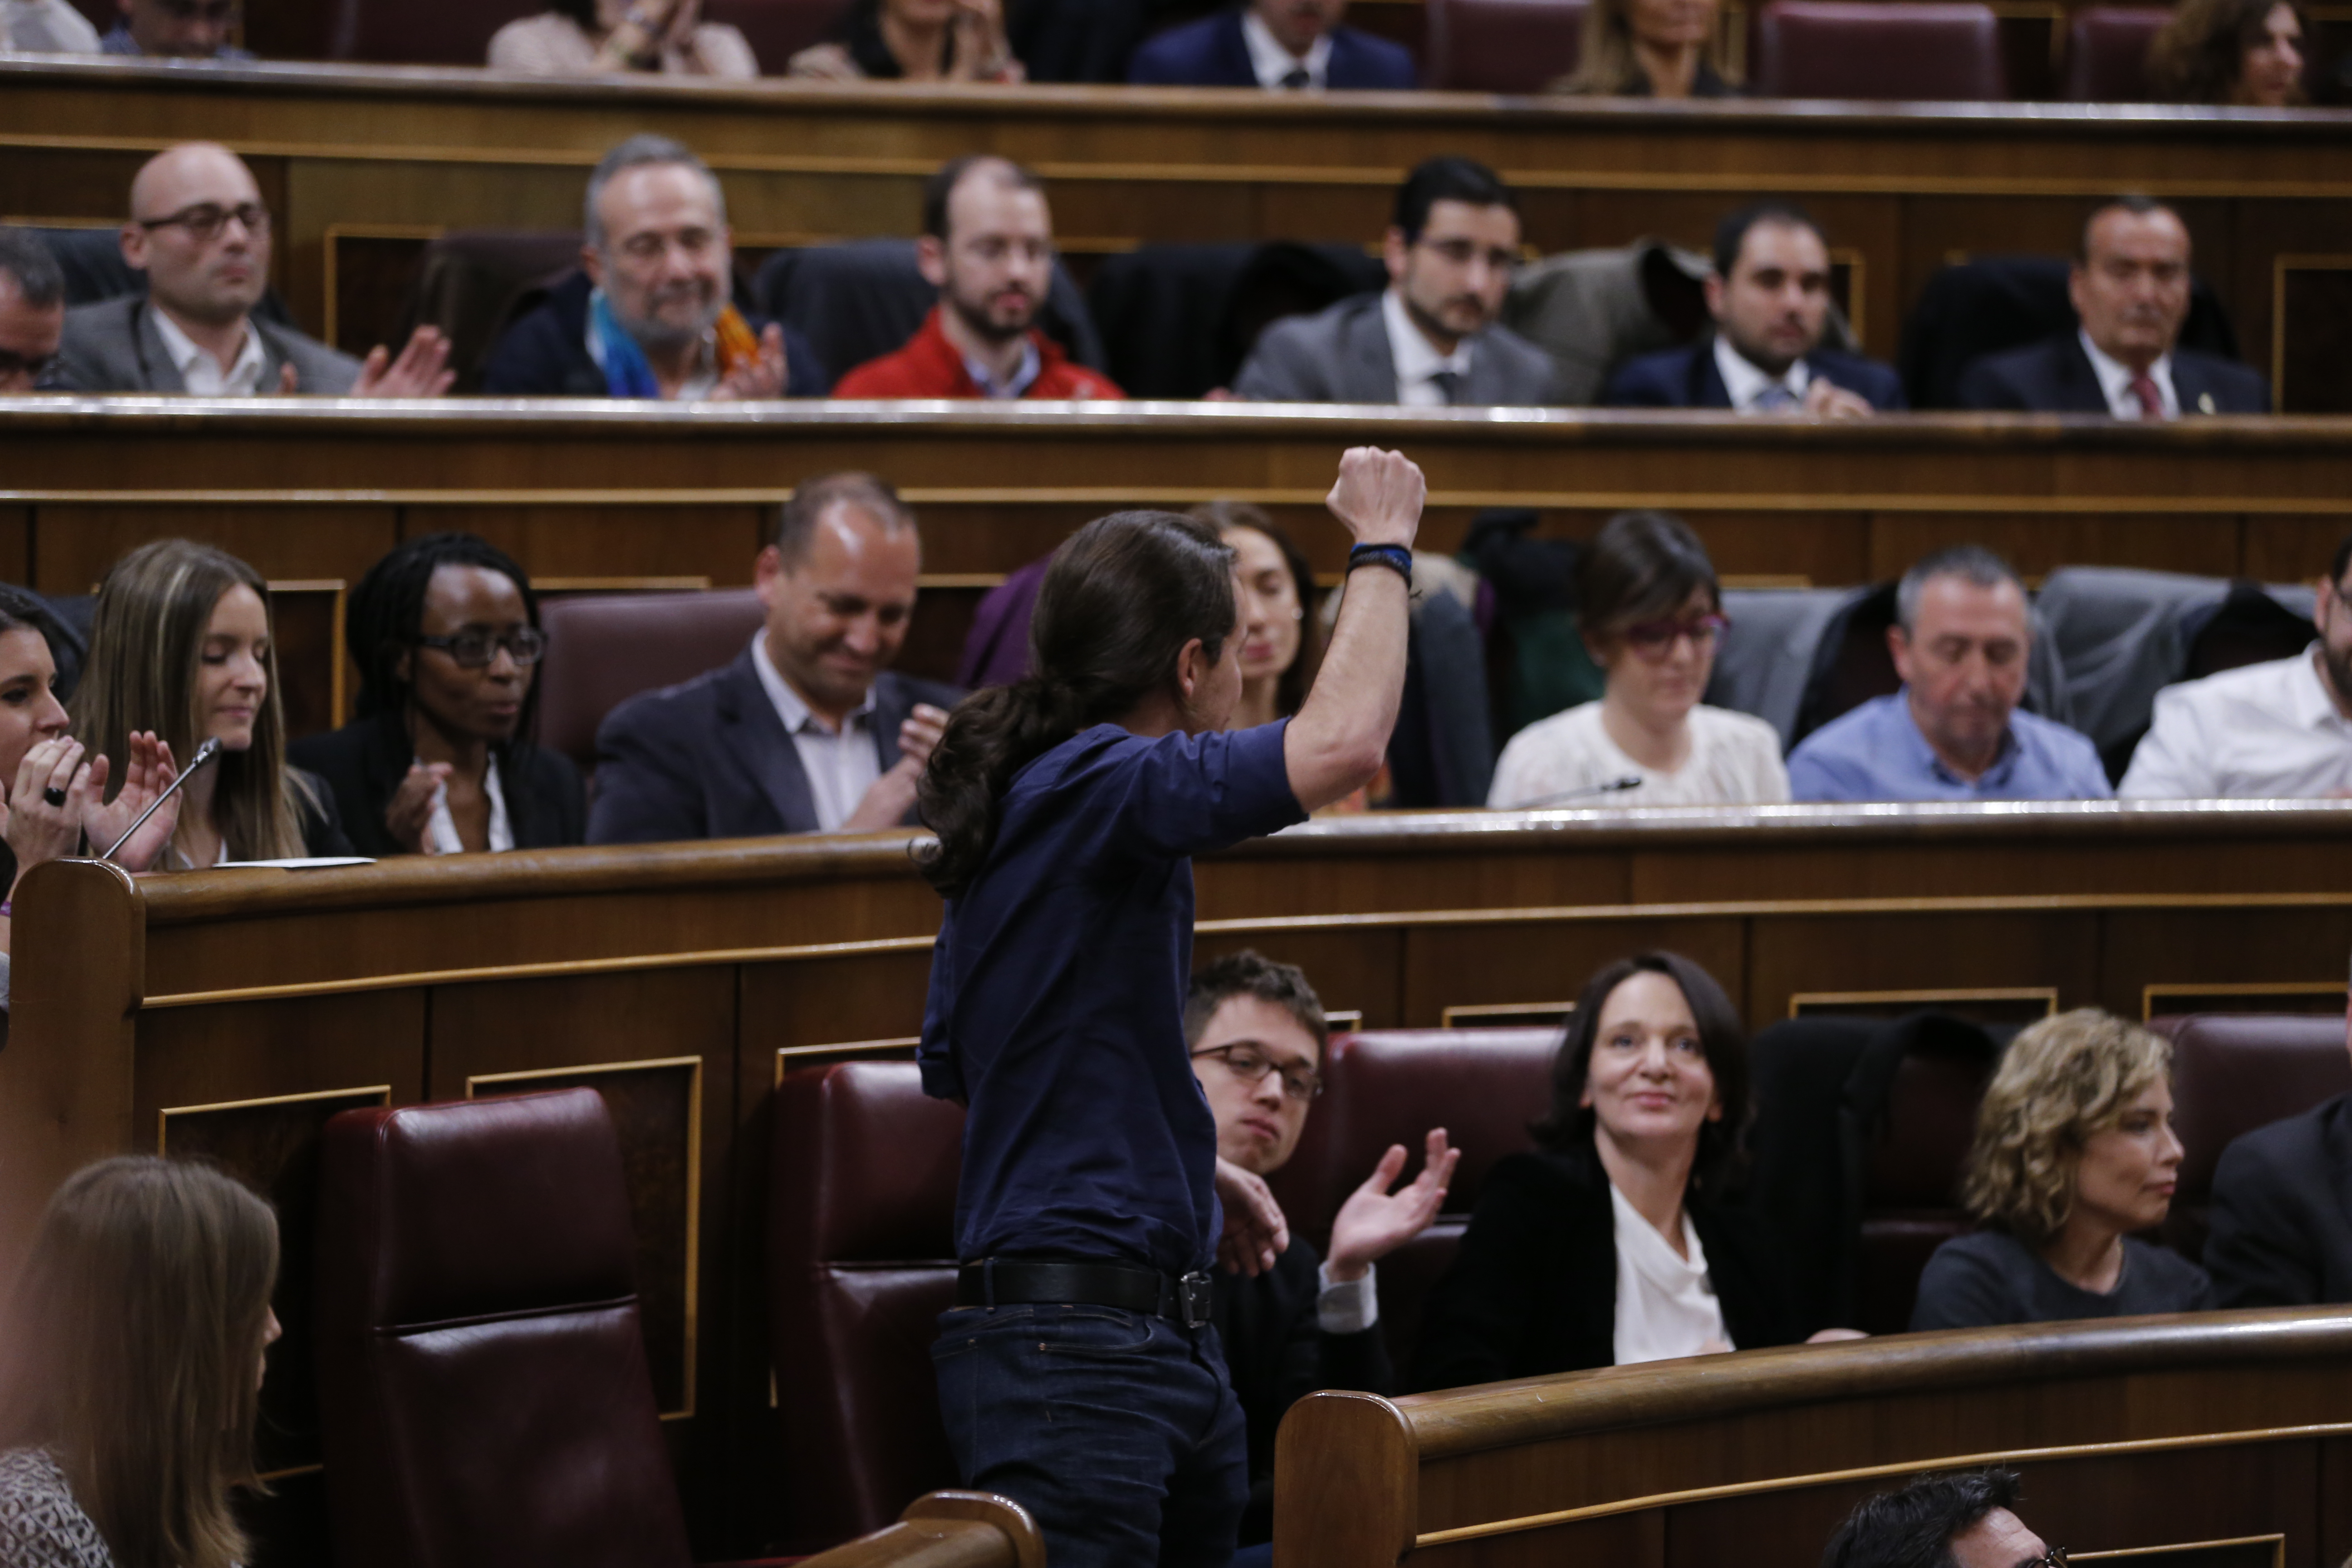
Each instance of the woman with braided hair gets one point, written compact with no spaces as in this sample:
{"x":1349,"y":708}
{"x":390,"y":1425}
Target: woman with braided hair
{"x":1078,"y":1373}
{"x":445,"y":631}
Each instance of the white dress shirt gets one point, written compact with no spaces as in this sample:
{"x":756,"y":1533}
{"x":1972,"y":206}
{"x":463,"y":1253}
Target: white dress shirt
{"x":1271,"y":62}
{"x":1735,"y":760}
{"x":441,"y":828}
{"x":842,"y":764}
{"x":46,"y":28}
{"x":1748,"y":384}
{"x":1666,"y":1304}
{"x":1416,"y":360}
{"x":2115,"y":378}
{"x":2264,"y":732}
{"x":1347,"y":1305}
{"x":200,"y":373}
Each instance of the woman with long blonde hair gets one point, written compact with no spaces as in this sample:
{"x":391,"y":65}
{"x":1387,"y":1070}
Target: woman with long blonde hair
{"x":2075,"y":1152}
{"x":182,"y":645}
{"x":1650,"y":48}
{"x":133,"y":1357}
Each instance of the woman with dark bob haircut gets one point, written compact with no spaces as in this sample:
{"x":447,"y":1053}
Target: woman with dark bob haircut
{"x":1652,"y":614}
{"x":445,"y":631}
{"x":2244,"y":52}
{"x":131,"y":1368}
{"x":1612,"y":1243}
{"x":1079,"y":1372}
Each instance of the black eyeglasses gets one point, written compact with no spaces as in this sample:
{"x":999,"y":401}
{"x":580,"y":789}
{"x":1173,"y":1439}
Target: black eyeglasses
{"x":473,"y":649}
{"x":1249,"y":1065}
{"x":36,"y":370}
{"x":2054,"y":1558}
{"x":205,"y":220}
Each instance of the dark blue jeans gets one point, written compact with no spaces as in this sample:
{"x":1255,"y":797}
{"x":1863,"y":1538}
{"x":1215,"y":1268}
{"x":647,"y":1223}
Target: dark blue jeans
{"x":1119,"y":1432}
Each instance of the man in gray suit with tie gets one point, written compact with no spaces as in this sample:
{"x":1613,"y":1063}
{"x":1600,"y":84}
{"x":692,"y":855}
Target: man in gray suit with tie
{"x":808,"y":729}
{"x":1429,"y":339}
{"x":201,"y":233}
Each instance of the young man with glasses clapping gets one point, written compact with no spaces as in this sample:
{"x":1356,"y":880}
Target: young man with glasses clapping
{"x":199,"y":230}
{"x":1257,"y":1033}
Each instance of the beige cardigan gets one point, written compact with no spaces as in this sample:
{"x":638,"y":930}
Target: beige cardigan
{"x":551,"y":44}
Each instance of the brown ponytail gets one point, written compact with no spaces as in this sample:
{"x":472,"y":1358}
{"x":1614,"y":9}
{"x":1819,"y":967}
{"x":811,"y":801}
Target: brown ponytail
{"x":1120,"y":600}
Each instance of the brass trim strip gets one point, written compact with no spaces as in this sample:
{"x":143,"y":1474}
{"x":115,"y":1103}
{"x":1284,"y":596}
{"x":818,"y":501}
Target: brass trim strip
{"x":787,"y":1055}
{"x":625,"y":962}
{"x":163,"y":1114}
{"x":693,"y":1184}
{"x":1452,"y":1018}
{"x":1873,"y":1472}
{"x":2046,"y":994}
{"x":698,"y":584}
{"x":2122,"y":1554}
{"x":2176,"y":505}
{"x":2149,"y":994}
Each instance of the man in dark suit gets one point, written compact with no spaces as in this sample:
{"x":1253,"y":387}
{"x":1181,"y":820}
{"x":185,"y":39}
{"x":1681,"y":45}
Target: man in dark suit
{"x":1294,"y":44}
{"x":2130,"y":291}
{"x":201,"y":233}
{"x":1256,"y":1033}
{"x":1769,"y":296}
{"x":1429,"y":339}
{"x":2281,"y":1231}
{"x":651,"y":313}
{"x":807,"y":730}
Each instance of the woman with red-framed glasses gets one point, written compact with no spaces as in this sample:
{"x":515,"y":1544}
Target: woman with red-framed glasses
{"x":1651,"y":614}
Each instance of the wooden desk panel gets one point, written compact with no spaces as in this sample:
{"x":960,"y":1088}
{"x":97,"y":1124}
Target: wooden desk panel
{"x":383,"y":156}
{"x":2137,"y":1436}
{"x":669,"y":976}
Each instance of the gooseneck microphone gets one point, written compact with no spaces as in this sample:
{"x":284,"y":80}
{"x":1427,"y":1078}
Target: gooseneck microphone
{"x":205,"y":754}
{"x":1630,"y":780}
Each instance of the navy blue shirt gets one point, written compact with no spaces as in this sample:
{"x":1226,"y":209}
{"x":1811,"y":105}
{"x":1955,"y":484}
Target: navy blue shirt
{"x":1876,"y":752}
{"x":1057,"y":997}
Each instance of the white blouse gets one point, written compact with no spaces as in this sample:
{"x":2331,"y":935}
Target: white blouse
{"x":1735,"y":760}
{"x":1666,"y":1304}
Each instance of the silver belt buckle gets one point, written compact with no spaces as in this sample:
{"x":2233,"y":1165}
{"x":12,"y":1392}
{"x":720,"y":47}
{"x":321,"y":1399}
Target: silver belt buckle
{"x":1193,"y":1296}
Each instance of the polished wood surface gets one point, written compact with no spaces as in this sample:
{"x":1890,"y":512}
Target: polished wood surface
{"x":364,"y":164}
{"x":947,"y":1530}
{"x":2131,"y":1433}
{"x":317,"y":490}
{"x":230,"y":1011}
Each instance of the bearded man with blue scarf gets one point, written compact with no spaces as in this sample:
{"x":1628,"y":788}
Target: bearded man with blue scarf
{"x":650,"y":315}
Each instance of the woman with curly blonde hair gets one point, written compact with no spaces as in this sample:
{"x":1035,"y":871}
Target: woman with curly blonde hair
{"x":2075,"y":1152}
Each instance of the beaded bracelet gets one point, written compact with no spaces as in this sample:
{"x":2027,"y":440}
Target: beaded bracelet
{"x":1395,"y":557}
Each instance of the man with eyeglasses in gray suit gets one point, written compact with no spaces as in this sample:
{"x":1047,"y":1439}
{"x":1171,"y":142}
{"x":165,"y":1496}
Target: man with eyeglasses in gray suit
{"x":199,"y":230}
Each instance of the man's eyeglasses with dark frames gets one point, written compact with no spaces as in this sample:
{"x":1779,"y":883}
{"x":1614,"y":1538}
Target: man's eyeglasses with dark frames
{"x":205,"y":220}
{"x":1251,"y":1066}
{"x":2054,"y":1558}
{"x":475,"y":649}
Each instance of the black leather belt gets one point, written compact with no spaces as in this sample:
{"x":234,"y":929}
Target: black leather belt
{"x":1129,"y":1287}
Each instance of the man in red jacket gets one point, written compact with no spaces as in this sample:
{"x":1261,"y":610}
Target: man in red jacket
{"x":988,"y":247}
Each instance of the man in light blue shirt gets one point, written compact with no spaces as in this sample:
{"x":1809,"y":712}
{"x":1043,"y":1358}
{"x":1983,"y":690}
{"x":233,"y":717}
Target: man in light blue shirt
{"x":1954,"y":732}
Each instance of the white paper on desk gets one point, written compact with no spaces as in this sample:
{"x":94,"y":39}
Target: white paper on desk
{"x":301,"y":864}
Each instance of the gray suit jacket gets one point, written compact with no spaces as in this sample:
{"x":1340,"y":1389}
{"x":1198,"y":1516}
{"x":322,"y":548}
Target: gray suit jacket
{"x":114,"y":346}
{"x":1341,"y":355}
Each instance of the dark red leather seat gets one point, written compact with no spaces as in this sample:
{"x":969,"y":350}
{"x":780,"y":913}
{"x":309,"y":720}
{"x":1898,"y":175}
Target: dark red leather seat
{"x":860,"y":1264}
{"x":1911,"y":1182}
{"x":1390,"y":1086}
{"x":2106,"y":54}
{"x":2233,"y":1072}
{"x":1503,"y":46}
{"x":1859,"y":49}
{"x":482,"y":1372}
{"x":604,"y":648}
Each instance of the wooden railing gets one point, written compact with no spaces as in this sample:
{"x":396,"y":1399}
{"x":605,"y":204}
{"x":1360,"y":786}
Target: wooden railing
{"x":2221,"y":1439}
